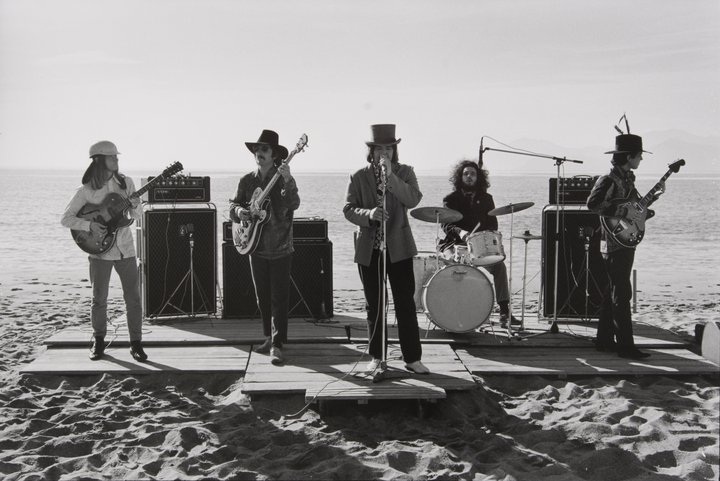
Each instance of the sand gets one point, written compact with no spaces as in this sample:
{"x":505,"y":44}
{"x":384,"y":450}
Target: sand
{"x":203,"y":427}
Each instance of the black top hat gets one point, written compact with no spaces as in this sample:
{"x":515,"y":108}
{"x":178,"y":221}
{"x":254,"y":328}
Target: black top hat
{"x":269,"y":137}
{"x":628,"y":144}
{"x":383,"y":134}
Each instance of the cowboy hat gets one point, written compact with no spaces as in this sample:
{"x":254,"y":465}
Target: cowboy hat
{"x":269,"y":137}
{"x":628,"y":144}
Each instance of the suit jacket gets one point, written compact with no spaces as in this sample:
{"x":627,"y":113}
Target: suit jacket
{"x":402,"y":193}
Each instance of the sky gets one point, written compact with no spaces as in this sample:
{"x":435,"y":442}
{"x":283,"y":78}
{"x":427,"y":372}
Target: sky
{"x":193,"y":80}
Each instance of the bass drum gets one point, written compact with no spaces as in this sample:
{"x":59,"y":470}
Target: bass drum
{"x":458,"y":298}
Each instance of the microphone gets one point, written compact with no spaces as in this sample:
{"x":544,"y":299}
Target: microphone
{"x":383,"y":168}
{"x":480,"y":156}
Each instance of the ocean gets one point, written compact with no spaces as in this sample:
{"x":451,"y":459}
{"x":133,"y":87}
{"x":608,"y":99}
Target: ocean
{"x":684,"y":235}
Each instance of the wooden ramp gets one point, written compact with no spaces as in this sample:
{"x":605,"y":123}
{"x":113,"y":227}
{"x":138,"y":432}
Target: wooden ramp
{"x":194,"y":359}
{"x":581,"y":362}
{"x":324,"y":372}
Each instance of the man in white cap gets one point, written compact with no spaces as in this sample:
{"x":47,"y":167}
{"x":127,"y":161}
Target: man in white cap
{"x":102,"y":178}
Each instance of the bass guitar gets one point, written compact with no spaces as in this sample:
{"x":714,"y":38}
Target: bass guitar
{"x":246,"y":234}
{"x":112,"y":213}
{"x":629,"y":233}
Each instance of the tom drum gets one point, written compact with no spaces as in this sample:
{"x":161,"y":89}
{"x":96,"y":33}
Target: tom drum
{"x":486,"y":248}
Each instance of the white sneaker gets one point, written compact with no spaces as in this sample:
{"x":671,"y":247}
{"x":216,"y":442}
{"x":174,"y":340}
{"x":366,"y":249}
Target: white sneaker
{"x":417,"y":367}
{"x":373,"y":365}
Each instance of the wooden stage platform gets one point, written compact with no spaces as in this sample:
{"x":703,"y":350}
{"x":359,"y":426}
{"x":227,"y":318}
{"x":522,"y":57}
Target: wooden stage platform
{"x":326,"y":359}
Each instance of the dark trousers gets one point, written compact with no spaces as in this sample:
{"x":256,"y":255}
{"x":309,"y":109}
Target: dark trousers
{"x":271,"y":278}
{"x":402,"y":283}
{"x":615,"y":315}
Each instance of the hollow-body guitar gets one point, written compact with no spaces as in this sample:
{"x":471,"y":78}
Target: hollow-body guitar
{"x":112,"y":213}
{"x":630,"y":233}
{"x":246,"y":234}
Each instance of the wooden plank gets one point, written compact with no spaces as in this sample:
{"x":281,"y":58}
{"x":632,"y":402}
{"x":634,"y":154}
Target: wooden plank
{"x":569,"y":362}
{"x":74,"y":361}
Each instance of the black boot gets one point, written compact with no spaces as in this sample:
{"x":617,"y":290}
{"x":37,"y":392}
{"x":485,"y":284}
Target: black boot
{"x":98,"y":348}
{"x":137,"y":351}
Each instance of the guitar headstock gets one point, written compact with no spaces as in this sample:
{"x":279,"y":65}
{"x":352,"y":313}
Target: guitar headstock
{"x":301,"y":143}
{"x":675,"y":166}
{"x":173,"y":168}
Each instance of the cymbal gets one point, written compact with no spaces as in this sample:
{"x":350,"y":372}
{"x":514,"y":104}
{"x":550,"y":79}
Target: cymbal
{"x":510,"y":208}
{"x":436,"y":214}
{"x":526,"y":236}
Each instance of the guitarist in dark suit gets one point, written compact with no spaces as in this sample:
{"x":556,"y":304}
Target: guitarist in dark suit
{"x":615,"y":332}
{"x":271,"y":260}
{"x":101,"y":178}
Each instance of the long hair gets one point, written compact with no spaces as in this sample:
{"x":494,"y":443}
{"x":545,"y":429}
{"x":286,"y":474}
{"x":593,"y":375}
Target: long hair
{"x":371,"y":151}
{"x":96,"y":174}
{"x":456,"y":180}
{"x":621,"y":158}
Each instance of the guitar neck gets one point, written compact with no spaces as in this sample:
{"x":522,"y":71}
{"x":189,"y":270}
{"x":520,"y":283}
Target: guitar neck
{"x":648,"y":199}
{"x":271,"y":184}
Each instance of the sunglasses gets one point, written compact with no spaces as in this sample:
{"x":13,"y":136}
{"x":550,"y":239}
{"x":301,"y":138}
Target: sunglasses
{"x":262,"y":148}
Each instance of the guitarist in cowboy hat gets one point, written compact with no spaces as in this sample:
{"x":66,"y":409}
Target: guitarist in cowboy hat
{"x":615,"y":332}
{"x":101,"y":178}
{"x":271,"y":260}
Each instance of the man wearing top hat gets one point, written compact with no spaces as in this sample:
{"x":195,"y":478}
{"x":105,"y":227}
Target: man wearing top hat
{"x":364,"y":208}
{"x":615,"y":332}
{"x":271,"y":260}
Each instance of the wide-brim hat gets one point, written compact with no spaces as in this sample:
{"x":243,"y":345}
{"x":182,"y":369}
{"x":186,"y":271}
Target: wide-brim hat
{"x":627,"y":144}
{"x":383,"y":134}
{"x":271,"y":138}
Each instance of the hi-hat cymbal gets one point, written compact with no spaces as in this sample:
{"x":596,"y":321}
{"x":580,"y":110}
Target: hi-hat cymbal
{"x":510,"y":208}
{"x":436,"y":214}
{"x":526,"y":236}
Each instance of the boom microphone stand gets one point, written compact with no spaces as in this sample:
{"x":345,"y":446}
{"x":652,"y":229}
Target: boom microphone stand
{"x":558,"y":162}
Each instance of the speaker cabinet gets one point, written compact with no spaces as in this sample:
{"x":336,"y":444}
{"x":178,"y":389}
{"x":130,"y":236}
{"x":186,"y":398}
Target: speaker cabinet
{"x":311,"y":286}
{"x":577,"y":268}
{"x":238,"y":288}
{"x":311,"y":283}
{"x":179,"y":261}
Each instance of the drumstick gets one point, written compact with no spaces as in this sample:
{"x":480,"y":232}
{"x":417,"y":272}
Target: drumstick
{"x":476,"y":228}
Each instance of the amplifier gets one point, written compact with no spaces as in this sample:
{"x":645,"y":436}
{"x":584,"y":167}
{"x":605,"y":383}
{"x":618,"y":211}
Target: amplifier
{"x":304,"y":228}
{"x":179,"y":189}
{"x":573,"y":190}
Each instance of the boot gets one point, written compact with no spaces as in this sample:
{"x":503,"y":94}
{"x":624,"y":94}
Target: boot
{"x":137,"y":351}
{"x":98,"y":348}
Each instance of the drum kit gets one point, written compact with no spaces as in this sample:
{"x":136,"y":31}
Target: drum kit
{"x":458,"y":296}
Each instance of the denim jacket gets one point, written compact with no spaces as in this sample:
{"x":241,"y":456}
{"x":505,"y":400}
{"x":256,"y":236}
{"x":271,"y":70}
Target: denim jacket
{"x":276,"y":239}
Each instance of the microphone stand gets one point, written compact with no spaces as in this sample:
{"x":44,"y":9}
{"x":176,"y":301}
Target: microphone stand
{"x":558,"y":162}
{"x":383,"y":372}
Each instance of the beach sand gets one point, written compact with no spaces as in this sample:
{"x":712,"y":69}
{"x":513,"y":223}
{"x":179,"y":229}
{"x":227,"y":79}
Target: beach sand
{"x":203,"y":427}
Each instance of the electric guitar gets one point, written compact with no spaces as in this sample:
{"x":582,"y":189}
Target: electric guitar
{"x":246,"y":234}
{"x":112,"y":213}
{"x":630,"y":233}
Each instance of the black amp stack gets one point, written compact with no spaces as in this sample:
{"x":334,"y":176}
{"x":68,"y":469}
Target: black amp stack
{"x":581,"y":279}
{"x":311,"y":275}
{"x":177,"y":248}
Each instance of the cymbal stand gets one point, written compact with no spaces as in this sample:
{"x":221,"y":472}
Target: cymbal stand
{"x":558,"y":162}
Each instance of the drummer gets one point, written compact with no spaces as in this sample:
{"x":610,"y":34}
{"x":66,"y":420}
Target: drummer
{"x":471,"y":199}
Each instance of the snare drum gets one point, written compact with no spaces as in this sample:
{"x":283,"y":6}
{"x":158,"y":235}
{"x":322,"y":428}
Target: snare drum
{"x":461,"y":254}
{"x":458,"y":298}
{"x":485,"y":248}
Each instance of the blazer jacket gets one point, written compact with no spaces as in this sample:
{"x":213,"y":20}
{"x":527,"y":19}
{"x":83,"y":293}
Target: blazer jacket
{"x":402,"y":193}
